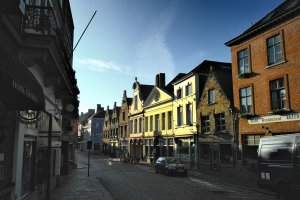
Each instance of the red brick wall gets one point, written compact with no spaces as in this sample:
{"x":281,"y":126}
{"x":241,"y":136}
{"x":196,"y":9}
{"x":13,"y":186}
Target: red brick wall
{"x":290,"y":45}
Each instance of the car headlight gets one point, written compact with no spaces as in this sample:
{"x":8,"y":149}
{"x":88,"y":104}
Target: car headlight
{"x":262,"y":175}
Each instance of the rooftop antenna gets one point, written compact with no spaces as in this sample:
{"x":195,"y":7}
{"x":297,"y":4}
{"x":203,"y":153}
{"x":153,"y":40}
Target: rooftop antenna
{"x":84,"y":30}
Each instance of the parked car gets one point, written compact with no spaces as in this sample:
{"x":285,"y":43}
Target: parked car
{"x":170,"y":165}
{"x":279,"y":165}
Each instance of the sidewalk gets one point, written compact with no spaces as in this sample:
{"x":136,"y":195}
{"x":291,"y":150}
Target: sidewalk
{"x":77,"y":186}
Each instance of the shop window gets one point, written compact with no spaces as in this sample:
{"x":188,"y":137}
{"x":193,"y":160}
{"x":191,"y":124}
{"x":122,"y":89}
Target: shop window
{"x":204,"y":153}
{"x":225,"y":154}
{"x":28,"y":167}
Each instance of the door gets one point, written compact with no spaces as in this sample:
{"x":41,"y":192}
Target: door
{"x":215,"y":159}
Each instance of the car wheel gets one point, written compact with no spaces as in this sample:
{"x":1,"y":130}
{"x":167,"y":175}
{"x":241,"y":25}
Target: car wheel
{"x":167,"y":172}
{"x":283,"y":192}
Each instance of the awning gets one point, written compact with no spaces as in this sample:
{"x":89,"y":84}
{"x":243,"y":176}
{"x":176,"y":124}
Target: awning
{"x":19,"y":88}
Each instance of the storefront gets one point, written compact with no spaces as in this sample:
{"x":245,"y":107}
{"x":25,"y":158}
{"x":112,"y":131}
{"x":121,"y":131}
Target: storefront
{"x":21,"y":101}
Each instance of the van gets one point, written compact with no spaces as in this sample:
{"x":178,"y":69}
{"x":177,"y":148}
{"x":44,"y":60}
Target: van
{"x":279,"y":164}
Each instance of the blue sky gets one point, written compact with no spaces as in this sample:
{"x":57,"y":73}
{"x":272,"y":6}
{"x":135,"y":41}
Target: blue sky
{"x":141,"y":38}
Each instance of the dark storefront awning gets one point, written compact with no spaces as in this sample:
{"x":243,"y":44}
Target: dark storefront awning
{"x":19,"y":88}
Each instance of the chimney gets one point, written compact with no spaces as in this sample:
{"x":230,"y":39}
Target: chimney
{"x":91,"y":111}
{"x":98,"y":108}
{"x":157,"y":80}
{"x":124,"y":94}
{"x":115,"y":104}
{"x":107,"y":108}
{"x":162,"y":80}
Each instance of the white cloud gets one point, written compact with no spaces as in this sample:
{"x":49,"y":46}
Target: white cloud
{"x":152,"y":53}
{"x":102,"y":66}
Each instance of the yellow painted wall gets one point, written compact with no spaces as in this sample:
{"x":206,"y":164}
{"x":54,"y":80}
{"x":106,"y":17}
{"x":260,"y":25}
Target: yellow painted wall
{"x":185,"y":129}
{"x":157,"y":107}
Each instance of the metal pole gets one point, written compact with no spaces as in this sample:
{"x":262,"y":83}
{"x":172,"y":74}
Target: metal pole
{"x":85,"y":30}
{"x":89,"y":163}
{"x":49,"y":155}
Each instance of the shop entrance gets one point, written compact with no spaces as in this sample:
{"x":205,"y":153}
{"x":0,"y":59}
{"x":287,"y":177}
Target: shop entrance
{"x":215,"y":159}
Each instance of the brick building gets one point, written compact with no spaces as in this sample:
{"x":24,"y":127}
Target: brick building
{"x":214,"y":115}
{"x":265,"y":73}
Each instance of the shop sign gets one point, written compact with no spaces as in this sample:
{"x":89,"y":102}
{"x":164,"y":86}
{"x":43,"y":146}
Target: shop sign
{"x":275,"y":118}
{"x":20,"y":88}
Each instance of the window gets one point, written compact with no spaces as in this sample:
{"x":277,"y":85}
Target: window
{"x":243,"y":61}
{"x":157,"y":127}
{"x":274,"y":50}
{"x":131,"y":126}
{"x":179,"y":115}
{"x":245,"y":99}
{"x":135,"y":125}
{"x":205,"y":124}
{"x":151,"y":123}
{"x":211,"y":96}
{"x":170,"y":120}
{"x":278,"y":97}
{"x":220,"y":122}
{"x":135,"y":102}
{"x":163,"y":124}
{"x":140,"y":125}
{"x":123,"y":115}
{"x":189,"y":114}
{"x":146,"y":124}
{"x":188,"y":90}
{"x":179,"y":93}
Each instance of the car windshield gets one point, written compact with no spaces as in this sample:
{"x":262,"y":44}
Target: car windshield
{"x":173,"y":161}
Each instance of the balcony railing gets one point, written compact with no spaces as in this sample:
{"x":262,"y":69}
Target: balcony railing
{"x":39,"y":20}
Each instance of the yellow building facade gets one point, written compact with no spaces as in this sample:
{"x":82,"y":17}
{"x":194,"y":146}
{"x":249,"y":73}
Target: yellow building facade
{"x":186,"y":96}
{"x":158,"y":123}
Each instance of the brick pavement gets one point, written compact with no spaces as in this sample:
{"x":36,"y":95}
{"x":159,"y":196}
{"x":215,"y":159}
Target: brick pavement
{"x":78,"y":186}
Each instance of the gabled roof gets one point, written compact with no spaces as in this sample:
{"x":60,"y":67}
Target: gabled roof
{"x":100,"y":114}
{"x":169,"y":87}
{"x":83,"y":118}
{"x":145,"y":91}
{"x":287,"y":10}
{"x":224,"y":78}
{"x":129,"y":101}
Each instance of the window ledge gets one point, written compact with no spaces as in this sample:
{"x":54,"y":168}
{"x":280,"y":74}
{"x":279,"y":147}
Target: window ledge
{"x":280,"y":111}
{"x":244,"y":75}
{"x":247,"y":115}
{"x":273,"y":65}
